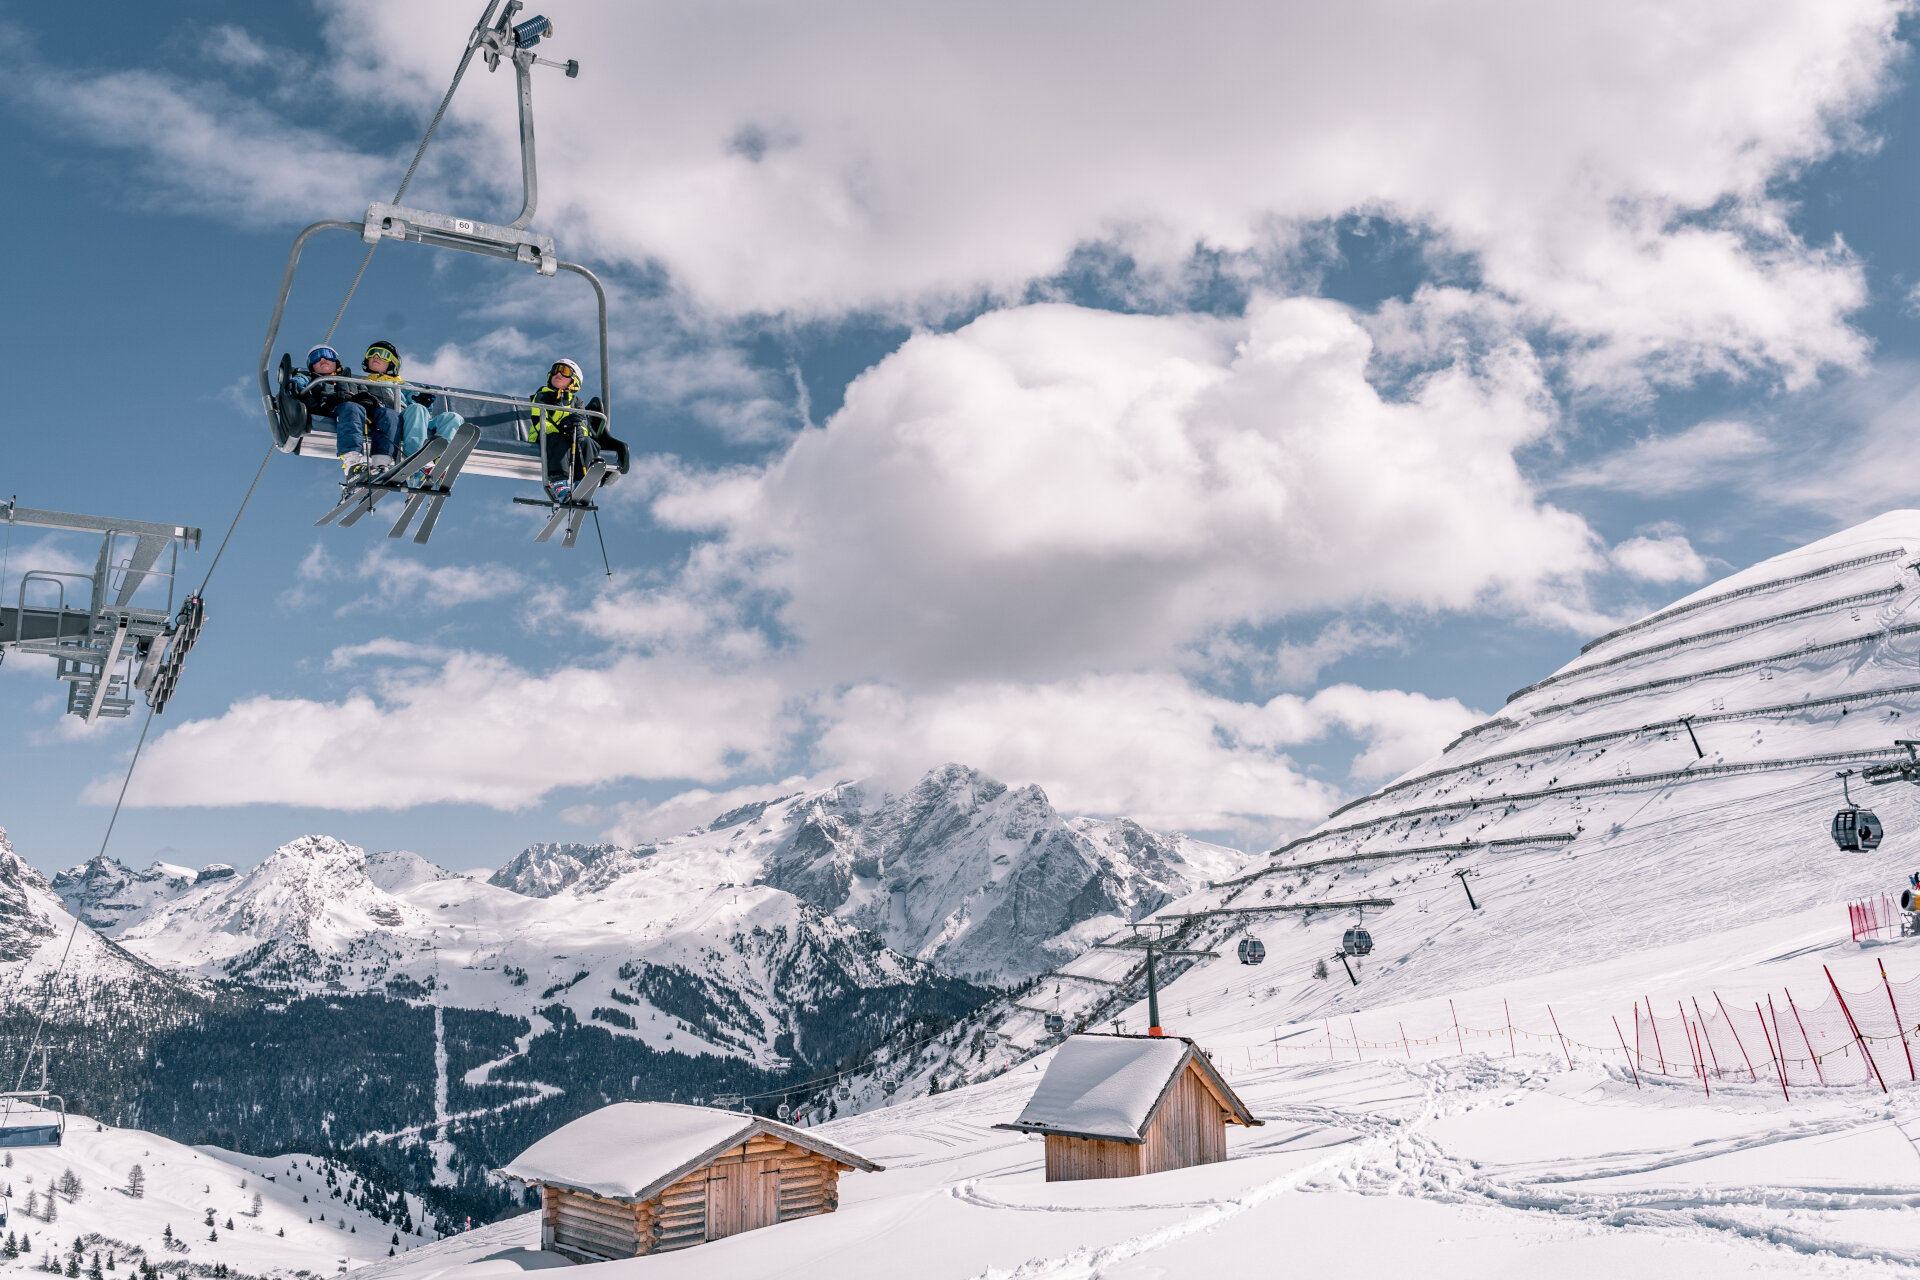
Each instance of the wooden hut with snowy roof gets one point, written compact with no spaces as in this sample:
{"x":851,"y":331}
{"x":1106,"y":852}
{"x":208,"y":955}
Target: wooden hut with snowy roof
{"x":647,"y":1177}
{"x":1121,"y":1106}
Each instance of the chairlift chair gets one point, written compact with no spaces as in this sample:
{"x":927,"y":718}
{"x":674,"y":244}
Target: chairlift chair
{"x":1356,"y":942}
{"x":27,"y":1119}
{"x":1252,"y":951}
{"x":505,"y":444}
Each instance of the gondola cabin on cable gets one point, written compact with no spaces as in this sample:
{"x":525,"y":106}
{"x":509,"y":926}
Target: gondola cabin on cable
{"x":1856,"y":829}
{"x":413,"y":440}
{"x":1356,"y":942}
{"x":1251,"y":951}
{"x":1118,"y":1106}
{"x":638,"y":1178}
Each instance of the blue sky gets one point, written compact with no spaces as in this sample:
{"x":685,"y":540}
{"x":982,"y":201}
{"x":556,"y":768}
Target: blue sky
{"x":1201,"y":414}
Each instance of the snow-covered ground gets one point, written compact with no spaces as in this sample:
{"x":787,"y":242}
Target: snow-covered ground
{"x":301,"y":1226}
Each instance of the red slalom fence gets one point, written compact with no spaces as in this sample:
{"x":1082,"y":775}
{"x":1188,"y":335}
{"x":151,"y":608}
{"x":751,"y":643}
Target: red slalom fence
{"x":1879,"y":919}
{"x":1846,"y":1038}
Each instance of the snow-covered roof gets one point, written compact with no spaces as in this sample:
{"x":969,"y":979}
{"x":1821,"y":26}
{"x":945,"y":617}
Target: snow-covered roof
{"x":631,"y":1150}
{"x":1110,"y":1087}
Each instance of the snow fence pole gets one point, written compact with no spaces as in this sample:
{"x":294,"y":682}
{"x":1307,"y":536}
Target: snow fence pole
{"x":1511,"y":1051}
{"x":1818,"y":1074}
{"x":1736,"y":1035}
{"x":1563,"y":1038}
{"x":1658,"y":1048}
{"x":1356,"y":1041}
{"x":1623,"y":1049}
{"x":1778,"y":1039}
{"x":1701,"y":1022}
{"x":1456,"y":1028}
{"x":1329,"y":1039}
{"x":1404,"y":1043}
{"x":1854,"y":1027}
{"x":1770,"y":1054}
{"x":1693,"y":1050}
{"x":1896,"y":1018}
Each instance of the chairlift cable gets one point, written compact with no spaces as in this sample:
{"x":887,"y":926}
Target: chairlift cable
{"x":236,"y":522}
{"x":461,"y":70}
{"x":47,"y":999}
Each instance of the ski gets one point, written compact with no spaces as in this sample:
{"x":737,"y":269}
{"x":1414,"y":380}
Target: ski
{"x":417,"y":497}
{"x":582,"y":501}
{"x":576,"y":505}
{"x":358,"y":497}
{"x":441,"y":485}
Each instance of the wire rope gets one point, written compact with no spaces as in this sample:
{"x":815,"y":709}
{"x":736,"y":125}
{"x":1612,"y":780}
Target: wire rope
{"x":466,"y":58}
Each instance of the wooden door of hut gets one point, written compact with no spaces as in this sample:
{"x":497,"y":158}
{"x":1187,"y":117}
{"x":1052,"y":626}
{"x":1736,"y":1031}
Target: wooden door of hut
{"x":742,"y":1195}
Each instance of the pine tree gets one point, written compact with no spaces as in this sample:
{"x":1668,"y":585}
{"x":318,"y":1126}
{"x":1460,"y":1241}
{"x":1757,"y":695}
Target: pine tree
{"x":281,"y":1232}
{"x":213,"y":1237}
{"x":256,"y":1204}
{"x":137,"y":1182}
{"x":229,"y":1224}
{"x":167,"y":1235}
{"x":68,"y":1186}
{"x":53,"y":1207}
{"x":73,"y":1268}
{"x":94,"y":1272}
{"x":209,"y":1219}
{"x":33,"y":1204}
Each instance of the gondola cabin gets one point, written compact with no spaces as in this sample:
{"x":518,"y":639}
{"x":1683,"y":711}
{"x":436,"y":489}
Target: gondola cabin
{"x":1122,"y":1106}
{"x":638,"y":1178}
{"x":1857,"y":829}
{"x":1356,"y":942}
{"x":1252,"y":951}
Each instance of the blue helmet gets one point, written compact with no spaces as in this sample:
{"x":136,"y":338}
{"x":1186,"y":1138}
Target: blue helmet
{"x":324,"y":352}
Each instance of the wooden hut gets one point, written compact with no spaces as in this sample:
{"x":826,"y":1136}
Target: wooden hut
{"x":647,"y":1177}
{"x":1120,"y":1106}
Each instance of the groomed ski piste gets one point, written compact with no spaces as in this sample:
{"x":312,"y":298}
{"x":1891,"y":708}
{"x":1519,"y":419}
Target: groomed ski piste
{"x":1614,"y":865}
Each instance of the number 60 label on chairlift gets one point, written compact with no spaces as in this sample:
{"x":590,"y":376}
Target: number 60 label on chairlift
{"x":463,"y":226}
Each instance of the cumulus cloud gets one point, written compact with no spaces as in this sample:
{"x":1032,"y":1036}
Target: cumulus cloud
{"x":1663,"y":559}
{"x":1052,"y":488}
{"x":479,"y":731}
{"x":1607,"y":167}
{"x":1148,"y":745}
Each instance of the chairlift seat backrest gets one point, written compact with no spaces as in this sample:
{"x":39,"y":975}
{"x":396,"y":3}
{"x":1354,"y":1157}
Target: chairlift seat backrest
{"x":32,"y":1124}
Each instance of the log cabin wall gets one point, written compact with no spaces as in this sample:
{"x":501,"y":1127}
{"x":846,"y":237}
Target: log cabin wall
{"x":588,"y":1227}
{"x":1190,"y":1129}
{"x":1074,"y":1159}
{"x":755,"y":1185}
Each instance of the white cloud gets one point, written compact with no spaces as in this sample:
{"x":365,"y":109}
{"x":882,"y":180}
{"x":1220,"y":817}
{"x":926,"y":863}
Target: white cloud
{"x":1150,"y":746}
{"x":1667,"y":559}
{"x":1051,"y":489}
{"x":477,"y":731}
{"x":1704,"y":455}
{"x":1607,"y":167}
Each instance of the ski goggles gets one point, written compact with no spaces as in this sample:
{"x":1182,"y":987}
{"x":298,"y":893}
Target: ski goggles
{"x":383,"y":353}
{"x":322,"y":353}
{"x":560,"y":371}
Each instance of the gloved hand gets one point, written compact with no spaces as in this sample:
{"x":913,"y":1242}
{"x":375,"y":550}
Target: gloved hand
{"x":424,"y":399}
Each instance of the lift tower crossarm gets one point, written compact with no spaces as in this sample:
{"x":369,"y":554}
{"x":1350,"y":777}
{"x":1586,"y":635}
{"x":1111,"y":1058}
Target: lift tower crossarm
{"x":101,"y":524}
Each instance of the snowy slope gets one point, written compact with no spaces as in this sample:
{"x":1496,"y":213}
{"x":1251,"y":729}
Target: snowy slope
{"x":302,"y":1225}
{"x":1611,"y":864}
{"x":661,"y":953}
{"x":960,"y":870}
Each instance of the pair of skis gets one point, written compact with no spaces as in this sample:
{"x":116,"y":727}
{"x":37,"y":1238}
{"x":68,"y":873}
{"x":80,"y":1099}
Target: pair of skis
{"x":446,"y":456}
{"x":571,"y":511}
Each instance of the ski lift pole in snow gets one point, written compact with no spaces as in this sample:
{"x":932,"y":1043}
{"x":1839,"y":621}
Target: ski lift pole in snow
{"x":1462,"y":876}
{"x":1697,"y":752}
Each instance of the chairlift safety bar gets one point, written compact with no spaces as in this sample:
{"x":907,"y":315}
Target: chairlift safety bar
{"x":485,"y":396}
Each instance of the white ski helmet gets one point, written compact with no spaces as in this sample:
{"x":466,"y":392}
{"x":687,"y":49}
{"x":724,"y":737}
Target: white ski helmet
{"x":571,"y":367}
